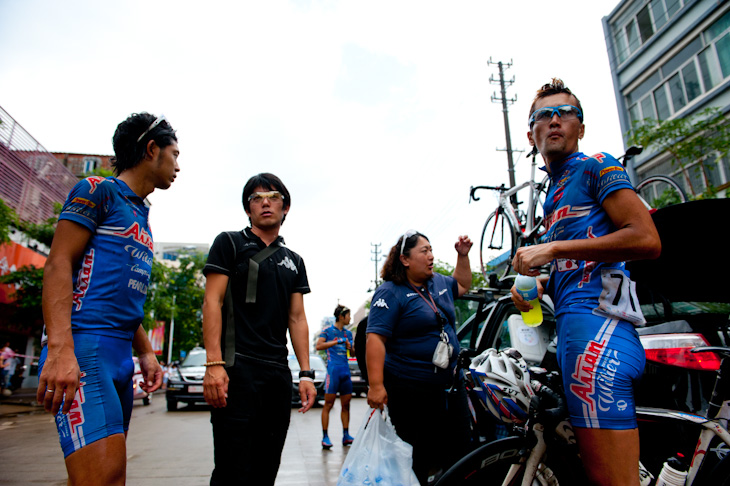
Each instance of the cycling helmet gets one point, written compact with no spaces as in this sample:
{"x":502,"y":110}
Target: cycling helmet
{"x":502,"y":383}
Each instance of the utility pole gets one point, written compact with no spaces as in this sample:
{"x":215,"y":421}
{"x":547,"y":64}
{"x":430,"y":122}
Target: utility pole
{"x":505,"y":101}
{"x":376,"y":258}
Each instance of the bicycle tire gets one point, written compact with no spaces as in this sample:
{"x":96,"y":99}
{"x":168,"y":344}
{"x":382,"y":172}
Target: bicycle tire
{"x":659,"y":191}
{"x":498,"y":238}
{"x":538,"y":211}
{"x":490,"y":463}
{"x":720,"y":475}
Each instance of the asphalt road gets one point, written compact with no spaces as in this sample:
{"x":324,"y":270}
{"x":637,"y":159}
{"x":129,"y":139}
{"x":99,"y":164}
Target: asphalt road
{"x":173,"y":448}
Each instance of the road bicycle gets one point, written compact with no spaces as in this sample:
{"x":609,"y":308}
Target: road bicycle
{"x":508,"y":228}
{"x":543,"y":450}
{"x":656,"y":190}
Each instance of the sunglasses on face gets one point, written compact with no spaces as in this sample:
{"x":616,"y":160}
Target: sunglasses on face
{"x":272,"y":196}
{"x":546,"y":113}
{"x":152,"y":126}
{"x":406,"y":235}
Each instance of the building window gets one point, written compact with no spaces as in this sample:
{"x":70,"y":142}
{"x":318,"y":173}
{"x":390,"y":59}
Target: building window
{"x":631,"y":33}
{"x":662,"y":103}
{"x":91,"y":164}
{"x":646,"y":29}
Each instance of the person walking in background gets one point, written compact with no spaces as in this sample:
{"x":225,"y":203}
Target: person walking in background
{"x":5,"y":356}
{"x":595,"y":222}
{"x":247,"y":378}
{"x":410,"y":315}
{"x":94,"y":288}
{"x":337,"y":340}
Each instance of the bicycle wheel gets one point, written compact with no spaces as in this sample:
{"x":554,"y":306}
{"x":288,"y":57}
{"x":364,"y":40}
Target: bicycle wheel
{"x":538,"y":211}
{"x":659,"y":191}
{"x":491,"y":463}
{"x":497,"y":246}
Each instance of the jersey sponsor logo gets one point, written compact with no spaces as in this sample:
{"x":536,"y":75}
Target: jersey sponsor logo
{"x":94,"y":181}
{"x":605,"y":383}
{"x":139,"y":254}
{"x":84,"y":201}
{"x":288,"y":263}
{"x":599,"y":157}
{"x":137,"y":285}
{"x":566,"y":264}
{"x":585,"y":373}
{"x":83,"y":279}
{"x":138,"y":234}
{"x":381,"y":303}
{"x":142,"y":271}
{"x":589,"y":266}
{"x":610,"y":169}
{"x":567,"y":212}
{"x":71,"y":425}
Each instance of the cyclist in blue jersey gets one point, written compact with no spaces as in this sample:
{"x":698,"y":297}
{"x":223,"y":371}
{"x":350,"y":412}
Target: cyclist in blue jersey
{"x":337,"y":341}
{"x":595,"y":223}
{"x":94,"y":288}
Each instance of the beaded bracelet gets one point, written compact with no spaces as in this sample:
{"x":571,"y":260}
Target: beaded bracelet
{"x":214,"y":363}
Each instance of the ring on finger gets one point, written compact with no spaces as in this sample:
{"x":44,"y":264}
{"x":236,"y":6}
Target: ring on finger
{"x":49,"y":391}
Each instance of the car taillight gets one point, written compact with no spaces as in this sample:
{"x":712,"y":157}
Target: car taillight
{"x":675,"y":350}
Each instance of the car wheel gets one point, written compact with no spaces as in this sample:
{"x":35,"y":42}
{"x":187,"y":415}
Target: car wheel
{"x":171,"y":405}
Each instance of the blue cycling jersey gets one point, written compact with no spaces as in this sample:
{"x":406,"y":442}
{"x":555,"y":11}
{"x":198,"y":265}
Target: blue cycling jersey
{"x":412,"y":329}
{"x":337,"y":354}
{"x":573,"y":211}
{"x":110,"y":281}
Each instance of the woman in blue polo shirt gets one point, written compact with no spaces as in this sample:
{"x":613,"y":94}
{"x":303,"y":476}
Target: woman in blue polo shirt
{"x":409,"y":315}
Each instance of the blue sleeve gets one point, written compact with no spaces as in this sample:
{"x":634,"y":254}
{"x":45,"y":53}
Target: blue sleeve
{"x":384,"y":313}
{"x":87,"y":203}
{"x":323,"y":334}
{"x":607,"y":175}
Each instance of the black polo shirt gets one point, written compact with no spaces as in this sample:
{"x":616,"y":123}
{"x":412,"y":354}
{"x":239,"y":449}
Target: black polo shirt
{"x":261,"y":326}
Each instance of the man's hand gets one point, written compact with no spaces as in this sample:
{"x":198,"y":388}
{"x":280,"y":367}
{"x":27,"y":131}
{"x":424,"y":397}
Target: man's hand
{"x":151,"y":372}
{"x":59,"y":380}
{"x":377,"y":396}
{"x":308,"y":395}
{"x":215,"y":386}
{"x":529,"y":259}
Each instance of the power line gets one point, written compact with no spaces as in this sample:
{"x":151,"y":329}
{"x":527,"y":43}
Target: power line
{"x":376,"y":258}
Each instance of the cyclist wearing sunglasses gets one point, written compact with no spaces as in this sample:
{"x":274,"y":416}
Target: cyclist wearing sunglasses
{"x":595,"y":223}
{"x":409,"y":314}
{"x":94,"y":288}
{"x":247,"y":378}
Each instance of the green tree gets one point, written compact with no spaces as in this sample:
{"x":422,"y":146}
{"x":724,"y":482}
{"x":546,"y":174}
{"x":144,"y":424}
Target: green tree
{"x":462,"y":307}
{"x":26,"y":309}
{"x":185,"y":283}
{"x":702,"y":138}
{"x":8,"y":220}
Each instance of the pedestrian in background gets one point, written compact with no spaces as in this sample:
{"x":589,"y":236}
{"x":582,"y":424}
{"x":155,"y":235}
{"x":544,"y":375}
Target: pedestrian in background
{"x":94,"y":288}
{"x":410,"y":315}
{"x":249,"y":385}
{"x":337,"y":341}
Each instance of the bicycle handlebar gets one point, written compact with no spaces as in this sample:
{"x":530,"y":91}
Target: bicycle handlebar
{"x":473,"y":189}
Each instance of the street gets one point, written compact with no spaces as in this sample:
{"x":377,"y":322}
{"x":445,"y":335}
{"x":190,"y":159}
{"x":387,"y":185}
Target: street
{"x":173,"y":448}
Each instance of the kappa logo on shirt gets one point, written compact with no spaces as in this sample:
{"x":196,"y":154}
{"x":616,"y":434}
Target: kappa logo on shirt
{"x":288,"y":263}
{"x":412,"y":294}
{"x":381,"y":303}
{"x":442,"y":292}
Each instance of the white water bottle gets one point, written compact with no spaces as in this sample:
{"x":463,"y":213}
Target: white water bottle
{"x":673,"y":473}
{"x":527,"y":287}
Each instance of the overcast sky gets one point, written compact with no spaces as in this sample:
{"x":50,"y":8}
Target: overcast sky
{"x":376,"y":115}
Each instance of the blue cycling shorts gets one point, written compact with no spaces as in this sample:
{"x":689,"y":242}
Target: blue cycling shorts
{"x":338,"y":380}
{"x":601,"y":361}
{"x":103,"y":403}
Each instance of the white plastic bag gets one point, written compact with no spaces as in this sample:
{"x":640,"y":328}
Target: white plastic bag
{"x":378,"y":455}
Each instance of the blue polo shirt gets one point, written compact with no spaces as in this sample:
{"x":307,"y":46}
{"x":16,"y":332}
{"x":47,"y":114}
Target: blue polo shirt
{"x":411,"y":327}
{"x":111,"y":279}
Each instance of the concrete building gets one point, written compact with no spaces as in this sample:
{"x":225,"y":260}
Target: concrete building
{"x":670,"y":59}
{"x":82,"y":165}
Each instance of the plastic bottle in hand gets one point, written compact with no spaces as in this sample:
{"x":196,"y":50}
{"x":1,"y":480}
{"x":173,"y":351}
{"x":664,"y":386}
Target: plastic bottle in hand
{"x":527,"y":288}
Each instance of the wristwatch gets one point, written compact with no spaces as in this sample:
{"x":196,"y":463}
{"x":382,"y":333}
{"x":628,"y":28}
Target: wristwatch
{"x":306,"y":374}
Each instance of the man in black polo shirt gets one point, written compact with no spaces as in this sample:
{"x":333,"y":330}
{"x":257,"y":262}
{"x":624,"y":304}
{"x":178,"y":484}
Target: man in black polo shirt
{"x":251,"y":391}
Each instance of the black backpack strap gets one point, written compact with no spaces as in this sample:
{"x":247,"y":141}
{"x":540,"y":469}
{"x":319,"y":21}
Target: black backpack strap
{"x":229,"y":351}
{"x":253,"y":270}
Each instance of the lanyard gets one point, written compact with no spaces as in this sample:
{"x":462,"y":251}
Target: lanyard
{"x":431,"y":304}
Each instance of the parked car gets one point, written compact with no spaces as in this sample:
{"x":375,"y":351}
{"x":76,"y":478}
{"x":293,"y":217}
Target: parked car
{"x":320,"y":373}
{"x":137,"y":378}
{"x":185,"y":383}
{"x":359,"y":385}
